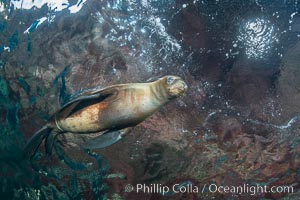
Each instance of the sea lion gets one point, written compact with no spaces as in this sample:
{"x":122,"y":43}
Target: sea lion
{"x":111,"y":111}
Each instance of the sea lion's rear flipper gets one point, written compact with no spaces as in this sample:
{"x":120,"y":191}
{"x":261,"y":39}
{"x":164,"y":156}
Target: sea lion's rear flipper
{"x":49,"y":142}
{"x":107,"y":139}
{"x":35,"y":141}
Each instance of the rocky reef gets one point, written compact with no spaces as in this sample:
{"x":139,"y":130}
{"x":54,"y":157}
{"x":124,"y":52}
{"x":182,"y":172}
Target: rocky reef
{"x":238,"y":123}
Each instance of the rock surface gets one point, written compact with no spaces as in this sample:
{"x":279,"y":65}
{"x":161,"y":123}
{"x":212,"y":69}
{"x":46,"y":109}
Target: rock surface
{"x":238,"y":124}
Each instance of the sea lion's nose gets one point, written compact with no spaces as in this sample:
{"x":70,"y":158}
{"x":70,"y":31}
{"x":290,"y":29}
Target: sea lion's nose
{"x":184,"y":85}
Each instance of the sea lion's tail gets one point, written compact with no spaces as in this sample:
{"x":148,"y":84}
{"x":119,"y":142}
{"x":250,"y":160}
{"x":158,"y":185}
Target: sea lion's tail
{"x":35,"y":141}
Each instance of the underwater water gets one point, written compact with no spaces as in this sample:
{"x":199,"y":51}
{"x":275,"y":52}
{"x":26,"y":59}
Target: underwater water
{"x":235,"y":134}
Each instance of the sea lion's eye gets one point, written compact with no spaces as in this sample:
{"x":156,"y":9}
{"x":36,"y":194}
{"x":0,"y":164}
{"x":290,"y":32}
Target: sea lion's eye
{"x":170,"y":80}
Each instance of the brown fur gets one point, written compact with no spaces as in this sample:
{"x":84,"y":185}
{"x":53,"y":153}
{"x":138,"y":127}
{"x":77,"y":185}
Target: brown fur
{"x":126,"y":105}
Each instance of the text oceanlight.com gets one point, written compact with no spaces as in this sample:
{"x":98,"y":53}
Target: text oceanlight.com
{"x":208,"y":188}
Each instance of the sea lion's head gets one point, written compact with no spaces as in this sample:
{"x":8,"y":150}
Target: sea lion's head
{"x":174,"y":86}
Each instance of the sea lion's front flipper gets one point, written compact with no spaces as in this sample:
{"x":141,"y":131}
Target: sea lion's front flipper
{"x":88,"y":98}
{"x":107,"y":139}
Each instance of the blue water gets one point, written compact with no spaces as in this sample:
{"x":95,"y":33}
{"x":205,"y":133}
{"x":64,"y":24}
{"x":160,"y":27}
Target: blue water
{"x":51,"y":52}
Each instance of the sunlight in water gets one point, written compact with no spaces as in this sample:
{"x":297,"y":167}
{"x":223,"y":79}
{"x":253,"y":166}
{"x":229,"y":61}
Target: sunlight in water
{"x":258,"y":37}
{"x":55,"y":5}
